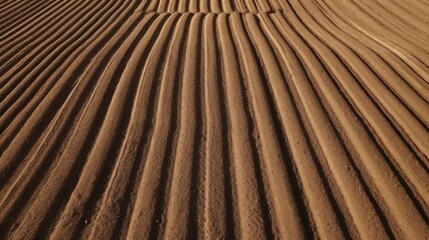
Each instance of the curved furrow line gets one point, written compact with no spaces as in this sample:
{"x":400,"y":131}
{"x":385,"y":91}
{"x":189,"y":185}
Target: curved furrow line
{"x":376,"y":118}
{"x":162,"y":6}
{"x":97,"y":168}
{"x":48,"y":103}
{"x":398,"y":202}
{"x":217,"y":224}
{"x":26,"y":22}
{"x":153,"y":95}
{"x":8,"y":7}
{"x":407,"y":120}
{"x":39,"y":152}
{"x":233,"y":5}
{"x":28,"y":53}
{"x":381,"y":69}
{"x":11,"y":5}
{"x":182,"y":6}
{"x":30,"y":20}
{"x":172,"y":6}
{"x":57,"y":66}
{"x":409,"y":61}
{"x":128,"y":153}
{"x":416,"y":155}
{"x":391,"y":40}
{"x":76,"y":98}
{"x":92,"y":119}
{"x":230,"y":194}
{"x":126,"y":204}
{"x":241,"y":6}
{"x":378,"y":67}
{"x":384,"y":25}
{"x":317,"y":193}
{"x":186,"y":160}
{"x":263,"y":6}
{"x":45,"y":147}
{"x":5,"y":3}
{"x":198,"y":179}
{"x":399,"y":65}
{"x":423,"y":104}
{"x":417,"y":10}
{"x":275,"y":5}
{"x":227,"y":6}
{"x":397,"y":49}
{"x":243,"y":152}
{"x":224,"y":119}
{"x":337,"y":157}
{"x":143,"y":6}
{"x":33,"y":55}
{"x":169,"y":133}
{"x":17,"y":16}
{"x":405,"y":13}
{"x":216,"y":6}
{"x":148,"y":203}
{"x":418,"y":178}
{"x":396,"y":13}
{"x":338,"y":204}
{"x":251,"y":6}
{"x":17,"y":41}
{"x":40,"y":24}
{"x":147,"y":6}
{"x":285,"y":204}
{"x":424,"y":9}
{"x":145,"y":209}
{"x":155,"y":5}
{"x":204,"y":6}
{"x":412,"y":32}
{"x":193,"y":6}
{"x":42,"y":38}
{"x":423,"y":3}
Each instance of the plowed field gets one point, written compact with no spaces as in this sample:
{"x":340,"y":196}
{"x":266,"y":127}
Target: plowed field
{"x":223,"y":119}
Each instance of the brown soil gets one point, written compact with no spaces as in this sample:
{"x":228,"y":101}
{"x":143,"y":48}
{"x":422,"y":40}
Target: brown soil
{"x":184,"y":119}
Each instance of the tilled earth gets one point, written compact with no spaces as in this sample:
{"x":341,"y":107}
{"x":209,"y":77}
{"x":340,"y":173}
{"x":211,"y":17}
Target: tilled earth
{"x":223,"y":119}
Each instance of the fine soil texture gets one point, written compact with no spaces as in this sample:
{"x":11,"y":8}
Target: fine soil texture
{"x":214,"y":119}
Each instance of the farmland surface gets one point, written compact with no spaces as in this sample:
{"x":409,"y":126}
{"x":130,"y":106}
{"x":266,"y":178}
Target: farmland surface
{"x":222,"y":119}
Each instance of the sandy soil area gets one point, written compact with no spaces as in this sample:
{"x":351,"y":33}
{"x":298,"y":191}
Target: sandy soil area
{"x":223,"y":119}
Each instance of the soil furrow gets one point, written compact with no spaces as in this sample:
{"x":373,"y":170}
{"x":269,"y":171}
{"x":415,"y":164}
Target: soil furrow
{"x":223,"y":119}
